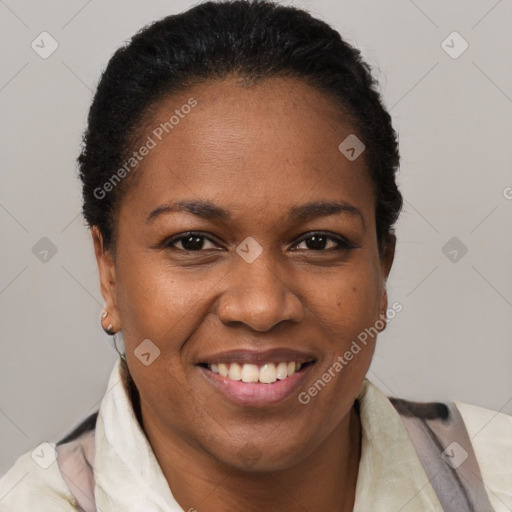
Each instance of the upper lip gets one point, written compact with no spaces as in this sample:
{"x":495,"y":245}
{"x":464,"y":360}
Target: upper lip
{"x":258,"y":357}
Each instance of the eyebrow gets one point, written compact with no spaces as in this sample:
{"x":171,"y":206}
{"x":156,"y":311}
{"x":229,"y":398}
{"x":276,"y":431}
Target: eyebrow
{"x":203,"y":209}
{"x":315,"y":209}
{"x":298,"y":213}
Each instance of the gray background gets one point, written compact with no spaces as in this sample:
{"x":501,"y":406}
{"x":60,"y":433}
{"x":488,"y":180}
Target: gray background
{"x":454,"y":116}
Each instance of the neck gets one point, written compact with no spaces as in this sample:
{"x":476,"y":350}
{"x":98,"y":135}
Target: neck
{"x":325,"y":480}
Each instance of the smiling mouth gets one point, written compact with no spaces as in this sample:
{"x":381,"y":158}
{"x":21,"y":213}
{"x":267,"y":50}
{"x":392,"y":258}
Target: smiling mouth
{"x":267,"y":373}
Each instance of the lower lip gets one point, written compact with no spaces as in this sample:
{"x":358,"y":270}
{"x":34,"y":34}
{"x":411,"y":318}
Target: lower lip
{"x":256,"y":394}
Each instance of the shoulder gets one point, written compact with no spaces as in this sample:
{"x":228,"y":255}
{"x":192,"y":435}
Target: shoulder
{"x":34,"y":482}
{"x":485,"y":423}
{"x":36,"y":478}
{"x":490,"y":433}
{"x":491,"y":436}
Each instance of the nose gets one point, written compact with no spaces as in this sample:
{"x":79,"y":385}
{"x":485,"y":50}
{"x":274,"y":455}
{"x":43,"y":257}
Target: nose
{"x":258,"y":297}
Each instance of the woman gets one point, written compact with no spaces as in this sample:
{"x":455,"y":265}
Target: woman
{"x":239,"y":181}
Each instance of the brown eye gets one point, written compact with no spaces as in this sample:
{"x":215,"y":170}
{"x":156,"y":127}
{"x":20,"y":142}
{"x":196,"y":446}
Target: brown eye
{"x":321,"y":241}
{"x":190,"y":242}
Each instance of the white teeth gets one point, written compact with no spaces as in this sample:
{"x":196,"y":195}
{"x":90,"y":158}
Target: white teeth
{"x":266,"y":374}
{"x":250,"y":373}
{"x":282,"y":371}
{"x":235,"y":371}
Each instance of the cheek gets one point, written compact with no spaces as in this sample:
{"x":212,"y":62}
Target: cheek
{"x":157,"y":305}
{"x":349,"y":300}
{"x":347,"y":309}
{"x":152,"y":297}
{"x":347,"y":312}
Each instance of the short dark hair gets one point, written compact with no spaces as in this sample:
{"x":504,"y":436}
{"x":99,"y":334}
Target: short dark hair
{"x":253,"y":40}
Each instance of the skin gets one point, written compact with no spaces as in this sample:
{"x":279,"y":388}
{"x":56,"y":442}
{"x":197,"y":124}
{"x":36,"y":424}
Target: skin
{"x":255,"y":151}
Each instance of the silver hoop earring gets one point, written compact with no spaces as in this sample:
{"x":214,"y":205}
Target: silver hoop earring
{"x":118,"y":340}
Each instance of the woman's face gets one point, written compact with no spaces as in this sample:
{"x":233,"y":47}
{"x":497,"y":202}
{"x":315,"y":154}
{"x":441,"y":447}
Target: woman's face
{"x":257,"y":284}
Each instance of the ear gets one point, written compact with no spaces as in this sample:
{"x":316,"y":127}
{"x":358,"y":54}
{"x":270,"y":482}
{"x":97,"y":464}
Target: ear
{"x":386,"y":259}
{"x":107,"y":274}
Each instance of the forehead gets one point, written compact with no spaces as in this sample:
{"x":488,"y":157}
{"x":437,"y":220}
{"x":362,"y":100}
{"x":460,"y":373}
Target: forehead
{"x":273,"y":142}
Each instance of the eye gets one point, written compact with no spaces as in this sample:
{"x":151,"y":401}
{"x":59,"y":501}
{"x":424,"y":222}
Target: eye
{"x":191,"y":241}
{"x":320,"y":241}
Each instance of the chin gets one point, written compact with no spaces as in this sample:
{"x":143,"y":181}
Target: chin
{"x":264,"y":456}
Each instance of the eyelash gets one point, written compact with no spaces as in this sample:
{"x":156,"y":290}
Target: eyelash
{"x":343,"y":244}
